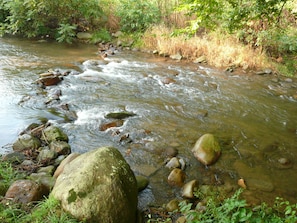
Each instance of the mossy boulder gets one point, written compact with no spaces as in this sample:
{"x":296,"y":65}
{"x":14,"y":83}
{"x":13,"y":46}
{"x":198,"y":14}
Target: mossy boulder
{"x":98,"y":186}
{"x":207,"y":149}
{"x":53,"y":133}
{"x":26,"y":141}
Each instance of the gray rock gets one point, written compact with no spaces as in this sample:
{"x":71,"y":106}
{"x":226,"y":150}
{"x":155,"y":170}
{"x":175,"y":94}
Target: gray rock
{"x":46,"y":155}
{"x":173,"y":163}
{"x":98,"y":186}
{"x":14,"y":157}
{"x":45,"y":179}
{"x":53,"y":133}
{"x":26,"y":141}
{"x":60,"y":147}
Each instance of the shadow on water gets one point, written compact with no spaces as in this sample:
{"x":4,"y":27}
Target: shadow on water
{"x":254,"y":117}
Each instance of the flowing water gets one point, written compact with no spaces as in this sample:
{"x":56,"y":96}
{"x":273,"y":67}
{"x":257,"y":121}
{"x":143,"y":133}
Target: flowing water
{"x":253,"y":116}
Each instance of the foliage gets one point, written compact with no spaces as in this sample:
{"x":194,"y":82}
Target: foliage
{"x":258,"y":23}
{"x":101,"y":35}
{"x":137,"y":16}
{"x":47,"y":211}
{"x":66,"y":33}
{"x":32,"y":18}
{"x":7,"y":175}
{"x":235,"y":210}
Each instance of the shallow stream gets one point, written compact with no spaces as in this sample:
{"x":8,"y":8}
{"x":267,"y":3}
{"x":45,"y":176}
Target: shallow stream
{"x":253,"y":116}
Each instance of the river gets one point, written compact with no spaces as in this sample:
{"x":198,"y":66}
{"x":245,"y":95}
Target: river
{"x":253,"y":116}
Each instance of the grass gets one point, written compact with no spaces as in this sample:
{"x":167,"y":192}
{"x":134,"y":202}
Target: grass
{"x":46,"y":211}
{"x":220,"y":50}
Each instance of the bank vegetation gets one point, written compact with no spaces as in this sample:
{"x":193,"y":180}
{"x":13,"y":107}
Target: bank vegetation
{"x":227,"y":33}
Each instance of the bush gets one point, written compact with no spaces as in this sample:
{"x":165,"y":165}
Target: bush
{"x":137,"y":16}
{"x":32,"y":18}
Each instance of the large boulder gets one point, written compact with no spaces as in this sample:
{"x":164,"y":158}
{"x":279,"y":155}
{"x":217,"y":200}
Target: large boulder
{"x":207,"y":149}
{"x":98,"y":186}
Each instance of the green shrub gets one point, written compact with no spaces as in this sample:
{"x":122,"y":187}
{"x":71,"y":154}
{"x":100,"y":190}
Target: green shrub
{"x":33,"y":18}
{"x":235,"y":210}
{"x":137,"y":15}
{"x":66,"y":33}
{"x":101,"y":35}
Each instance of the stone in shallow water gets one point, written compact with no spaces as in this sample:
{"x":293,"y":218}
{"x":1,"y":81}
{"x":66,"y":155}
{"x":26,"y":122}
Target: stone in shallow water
{"x":207,"y":149}
{"x":120,"y":115}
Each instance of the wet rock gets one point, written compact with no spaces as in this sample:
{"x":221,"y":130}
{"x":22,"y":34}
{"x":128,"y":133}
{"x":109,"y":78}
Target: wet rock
{"x":26,"y":141}
{"x":98,"y":186}
{"x":142,"y":182}
{"x":49,"y":170}
{"x":46,"y":180}
{"x":173,"y":163}
{"x":62,"y":165}
{"x":265,"y":71}
{"x":14,"y":157}
{"x":120,"y":115}
{"x":117,"y":123}
{"x":283,"y":163}
{"x":172,"y":205}
{"x":168,"y":80}
{"x":207,"y":149}
{"x":176,"y":177}
{"x":25,"y":191}
{"x":27,"y":163}
{"x":53,"y":133}
{"x":189,"y":189}
{"x":182,"y":163}
{"x":60,"y":147}
{"x":46,"y":155}
{"x":49,"y":81}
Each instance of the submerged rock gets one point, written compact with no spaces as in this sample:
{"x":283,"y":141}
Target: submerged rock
{"x":120,"y":115}
{"x":98,"y":186}
{"x":207,"y":149}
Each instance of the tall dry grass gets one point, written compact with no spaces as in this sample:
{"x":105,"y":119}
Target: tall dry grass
{"x":218,"y":49}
